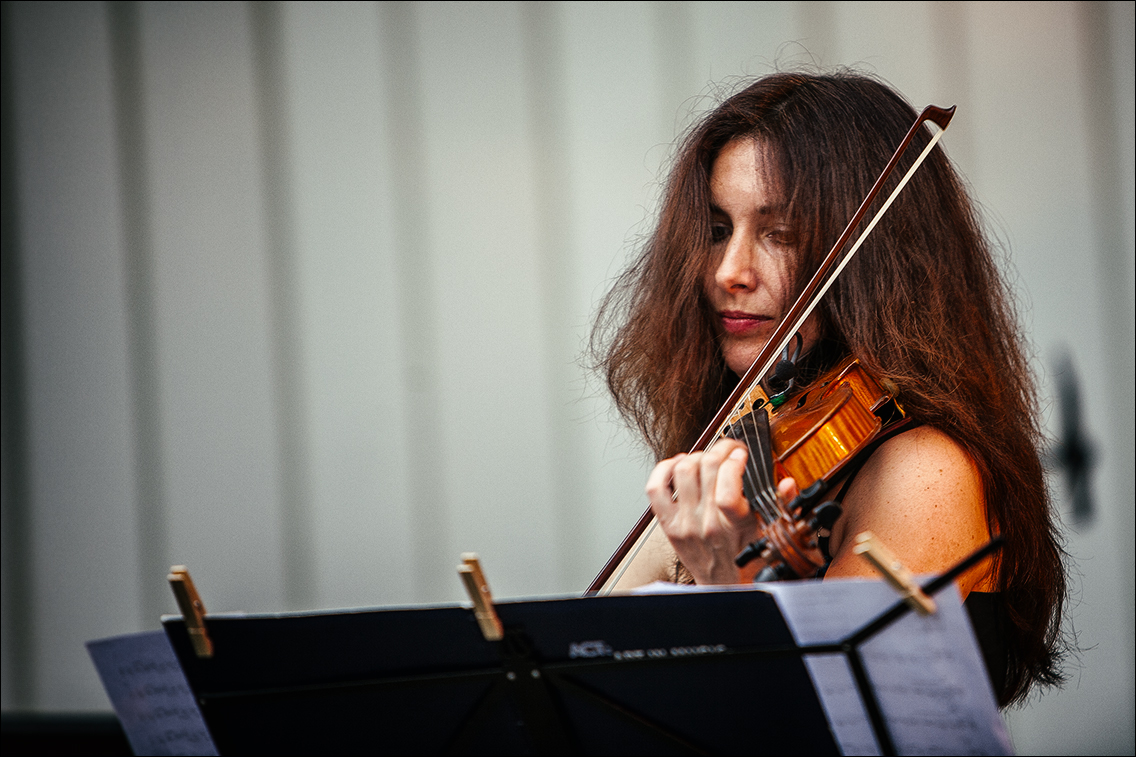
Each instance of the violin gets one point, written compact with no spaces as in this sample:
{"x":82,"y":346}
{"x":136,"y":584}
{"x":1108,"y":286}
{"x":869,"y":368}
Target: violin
{"x":812,"y":434}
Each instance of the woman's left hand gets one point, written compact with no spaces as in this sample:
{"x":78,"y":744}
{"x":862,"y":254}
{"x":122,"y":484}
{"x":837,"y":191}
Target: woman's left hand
{"x":699,"y":503}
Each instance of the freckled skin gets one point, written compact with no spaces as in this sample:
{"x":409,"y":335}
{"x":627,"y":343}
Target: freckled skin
{"x":922,"y":496}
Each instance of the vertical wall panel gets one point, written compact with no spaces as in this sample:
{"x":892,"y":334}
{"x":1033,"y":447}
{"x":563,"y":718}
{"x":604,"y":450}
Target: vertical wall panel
{"x":216,"y":388}
{"x":567,"y":493}
{"x":82,"y":499}
{"x":948,"y":48}
{"x":1109,"y":100}
{"x":1114,"y":28}
{"x":424,"y":456}
{"x":275,"y":142}
{"x":17,"y":676}
{"x":679,"y":73}
{"x":618,"y":133}
{"x":816,"y":24}
{"x":492,"y":404}
{"x":348,"y":305}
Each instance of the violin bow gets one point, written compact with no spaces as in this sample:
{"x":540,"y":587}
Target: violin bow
{"x":802,"y":308}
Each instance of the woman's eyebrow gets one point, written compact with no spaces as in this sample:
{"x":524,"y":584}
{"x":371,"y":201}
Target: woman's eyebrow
{"x":765,"y":210}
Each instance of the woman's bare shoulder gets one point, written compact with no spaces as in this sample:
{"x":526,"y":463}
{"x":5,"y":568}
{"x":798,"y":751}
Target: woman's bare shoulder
{"x":921,"y":494}
{"x":923,"y":457}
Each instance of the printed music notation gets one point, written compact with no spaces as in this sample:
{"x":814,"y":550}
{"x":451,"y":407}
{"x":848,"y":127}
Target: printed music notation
{"x":150,"y":695}
{"x":927,"y":671}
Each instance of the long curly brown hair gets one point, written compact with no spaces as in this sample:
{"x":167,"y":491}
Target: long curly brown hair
{"x":922,"y":305}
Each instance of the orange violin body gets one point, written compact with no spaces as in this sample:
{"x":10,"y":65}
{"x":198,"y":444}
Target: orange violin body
{"x":816,"y":433}
{"x":813,"y":435}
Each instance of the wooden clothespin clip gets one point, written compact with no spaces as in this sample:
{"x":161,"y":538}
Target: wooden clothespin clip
{"x":478,"y":590}
{"x":869,"y":547}
{"x":192,"y":609}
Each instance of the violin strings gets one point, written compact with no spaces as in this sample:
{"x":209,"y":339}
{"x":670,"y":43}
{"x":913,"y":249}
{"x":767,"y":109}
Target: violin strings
{"x":757,"y":471}
{"x":761,"y":503}
{"x":767,"y":490}
{"x":763,"y":463}
{"x":751,"y":472}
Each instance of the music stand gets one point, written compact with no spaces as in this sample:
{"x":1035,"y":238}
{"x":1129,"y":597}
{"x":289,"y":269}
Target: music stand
{"x":658,"y":674}
{"x":699,"y":673}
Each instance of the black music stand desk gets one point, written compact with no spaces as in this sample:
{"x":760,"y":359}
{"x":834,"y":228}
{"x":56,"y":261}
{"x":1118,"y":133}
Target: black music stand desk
{"x":699,"y":673}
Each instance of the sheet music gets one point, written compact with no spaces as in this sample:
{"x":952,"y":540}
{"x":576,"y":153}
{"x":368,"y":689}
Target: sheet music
{"x":927,"y":671}
{"x":150,"y":695}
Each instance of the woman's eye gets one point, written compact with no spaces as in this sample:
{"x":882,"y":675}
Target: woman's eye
{"x":719,"y":232}
{"x":782,"y":237}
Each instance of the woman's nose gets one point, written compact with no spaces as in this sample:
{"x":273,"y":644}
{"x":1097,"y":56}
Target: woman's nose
{"x":736,"y":272}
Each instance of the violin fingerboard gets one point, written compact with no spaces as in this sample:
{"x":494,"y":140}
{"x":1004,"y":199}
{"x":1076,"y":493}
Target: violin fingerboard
{"x":752,"y":430}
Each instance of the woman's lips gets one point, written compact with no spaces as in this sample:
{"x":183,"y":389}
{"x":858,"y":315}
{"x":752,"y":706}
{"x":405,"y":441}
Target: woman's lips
{"x":739,"y":323}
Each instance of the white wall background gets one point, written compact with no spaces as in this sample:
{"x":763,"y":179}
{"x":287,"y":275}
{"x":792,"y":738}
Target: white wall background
{"x":295,"y":294}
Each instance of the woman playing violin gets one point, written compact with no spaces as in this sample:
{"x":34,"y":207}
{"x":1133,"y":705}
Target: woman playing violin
{"x":758,"y":194}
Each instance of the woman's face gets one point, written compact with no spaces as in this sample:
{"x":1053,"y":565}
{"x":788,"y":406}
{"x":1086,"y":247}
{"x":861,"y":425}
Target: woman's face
{"x":749,"y":281}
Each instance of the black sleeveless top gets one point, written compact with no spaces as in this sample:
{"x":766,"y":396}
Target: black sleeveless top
{"x":987,"y":614}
